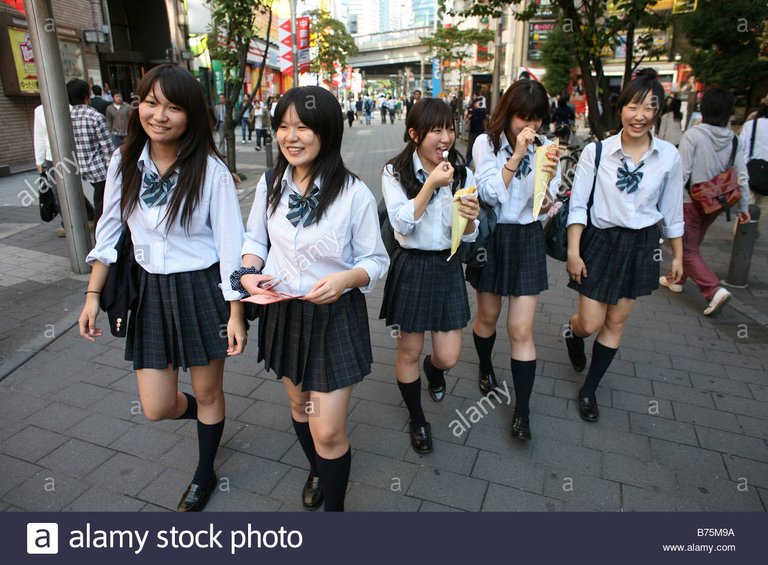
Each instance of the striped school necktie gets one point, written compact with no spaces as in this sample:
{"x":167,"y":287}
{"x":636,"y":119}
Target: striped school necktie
{"x":300,"y":207}
{"x":629,"y":181}
{"x":154,"y":190}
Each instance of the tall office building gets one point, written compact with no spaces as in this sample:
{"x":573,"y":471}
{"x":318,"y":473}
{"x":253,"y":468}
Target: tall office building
{"x":423,"y":13}
{"x":363,"y":17}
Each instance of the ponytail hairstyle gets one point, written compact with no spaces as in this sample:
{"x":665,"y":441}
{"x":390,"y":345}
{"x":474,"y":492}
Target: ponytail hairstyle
{"x":195,"y":145}
{"x":526,"y":99}
{"x":428,"y":114}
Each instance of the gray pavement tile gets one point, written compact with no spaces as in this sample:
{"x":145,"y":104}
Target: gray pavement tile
{"x":755,"y":427}
{"x":246,"y":364}
{"x":573,"y":458}
{"x":166,"y":489}
{"x":128,"y":383}
{"x":755,"y":376}
{"x":446,"y":456}
{"x":264,"y":442}
{"x":236,"y":405}
{"x":677,"y":350}
{"x":734,"y":444}
{"x":429,"y":506}
{"x":689,"y":462}
{"x":83,"y":395}
{"x":383,"y":472}
{"x":99,"y":429}
{"x":251,"y":473}
{"x":644,"y":474}
{"x":33,"y":382}
{"x":145,"y":441}
{"x":383,"y":441}
{"x":684,"y":394}
{"x":655,"y":426}
{"x":720,"y":495}
{"x":383,"y":414}
{"x":120,"y":405}
{"x":724,"y":386}
{"x":549,"y":405}
{"x":449,"y":488}
{"x":238,"y":500}
{"x":442,"y":428}
{"x":377,"y":391}
{"x":288,"y":490}
{"x":712,"y":343}
{"x":493,"y":439}
{"x":663,"y":374}
{"x":642,"y":404}
{"x":751,"y":473}
{"x":510,"y":470}
{"x":624,"y":383}
{"x":760,"y":392}
{"x":583,"y":492}
{"x":102,"y":375}
{"x":271,"y":390}
{"x":642,"y":500}
{"x":612,"y":418}
{"x":113,"y":357}
{"x":734,"y":360}
{"x":641,"y":357}
{"x":63,"y":364}
{"x":561,"y":371}
{"x":125,"y":474}
{"x":9,"y":427}
{"x":699,"y":366}
{"x":610,"y":441}
{"x":544,"y":385}
{"x":764,"y":497}
{"x":15,"y":472}
{"x":364,"y":498}
{"x":504,"y":499}
{"x":57,"y":417}
{"x":383,"y":355}
{"x":47,"y":491}
{"x":269,"y":415}
{"x":97,"y":499}
{"x":76,"y":458}
{"x":567,"y":389}
{"x":296,"y":458}
{"x":32,"y":443}
{"x":706,"y":417}
{"x":738,"y":405}
{"x":240,"y":385}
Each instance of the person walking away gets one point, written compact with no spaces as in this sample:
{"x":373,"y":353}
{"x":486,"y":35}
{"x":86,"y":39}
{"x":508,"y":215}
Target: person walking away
{"x":757,"y":128}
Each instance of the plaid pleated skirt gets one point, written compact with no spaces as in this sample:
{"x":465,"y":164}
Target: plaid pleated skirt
{"x":517,"y":262}
{"x":181,"y":320}
{"x":425,"y":292}
{"x":621,"y":263}
{"x":323,"y":347}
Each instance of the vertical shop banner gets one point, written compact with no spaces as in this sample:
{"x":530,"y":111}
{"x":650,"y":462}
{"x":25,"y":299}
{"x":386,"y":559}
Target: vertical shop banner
{"x":24,"y":59}
{"x":437,"y":77}
{"x":302,"y":30}
{"x":284,"y":35}
{"x":218,"y":77}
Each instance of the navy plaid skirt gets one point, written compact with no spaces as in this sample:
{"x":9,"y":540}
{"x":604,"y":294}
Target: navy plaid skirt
{"x":425,"y":292}
{"x":323,"y":347}
{"x":621,"y":263}
{"x":181,"y":320}
{"x":517,"y":262}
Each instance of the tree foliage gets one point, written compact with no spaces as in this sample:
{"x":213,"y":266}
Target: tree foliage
{"x":332,"y":41}
{"x":451,"y":43}
{"x":558,"y":60}
{"x":725,"y":39}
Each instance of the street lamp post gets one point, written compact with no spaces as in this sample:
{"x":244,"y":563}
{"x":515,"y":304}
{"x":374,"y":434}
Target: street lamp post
{"x":294,"y":47}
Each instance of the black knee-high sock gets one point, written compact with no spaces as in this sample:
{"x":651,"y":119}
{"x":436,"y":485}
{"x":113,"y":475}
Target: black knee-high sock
{"x":191,"y":412}
{"x":434,"y":374}
{"x":334,"y":476}
{"x":307,"y":444}
{"x":523,"y":375}
{"x":484,"y":347}
{"x":208,"y":439}
{"x":412,"y":395}
{"x":602,"y":357}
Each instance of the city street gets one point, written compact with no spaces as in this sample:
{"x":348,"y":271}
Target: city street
{"x":684,"y":407}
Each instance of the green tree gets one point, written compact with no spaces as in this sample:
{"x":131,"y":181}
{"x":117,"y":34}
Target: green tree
{"x":451,"y":43}
{"x":558,"y":60}
{"x":725,"y":39}
{"x":232,"y":29}
{"x":332,"y":41}
{"x":594,"y":28}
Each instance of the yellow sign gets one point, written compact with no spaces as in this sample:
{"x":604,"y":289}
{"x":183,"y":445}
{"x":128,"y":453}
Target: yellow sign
{"x":24,"y":60}
{"x":682,"y":6}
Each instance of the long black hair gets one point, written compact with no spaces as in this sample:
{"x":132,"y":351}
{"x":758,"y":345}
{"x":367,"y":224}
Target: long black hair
{"x":195,"y":144}
{"x":527,"y":99}
{"x":428,"y":114}
{"x":319,"y":110}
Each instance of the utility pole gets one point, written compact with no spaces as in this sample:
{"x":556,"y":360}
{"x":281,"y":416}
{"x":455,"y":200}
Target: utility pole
{"x":495,"y":83}
{"x":295,"y":46}
{"x":57,"y":118}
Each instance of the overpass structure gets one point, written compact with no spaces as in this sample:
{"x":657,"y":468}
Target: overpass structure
{"x":393,"y":53}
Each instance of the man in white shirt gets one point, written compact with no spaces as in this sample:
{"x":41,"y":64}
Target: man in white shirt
{"x":43,"y":156}
{"x":759,"y":151}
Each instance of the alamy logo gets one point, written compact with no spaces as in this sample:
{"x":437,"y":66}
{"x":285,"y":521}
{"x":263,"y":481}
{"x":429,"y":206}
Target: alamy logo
{"x":42,"y":538}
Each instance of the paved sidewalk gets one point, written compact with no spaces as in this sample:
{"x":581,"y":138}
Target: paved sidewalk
{"x":684,"y":408}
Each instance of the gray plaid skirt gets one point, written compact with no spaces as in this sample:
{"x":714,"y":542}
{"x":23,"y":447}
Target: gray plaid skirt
{"x":323,"y":347}
{"x":517,"y":262}
{"x":181,"y":320}
{"x":425,"y":292}
{"x":621,"y":263}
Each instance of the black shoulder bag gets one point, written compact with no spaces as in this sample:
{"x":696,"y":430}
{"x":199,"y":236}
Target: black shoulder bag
{"x":120,"y":294}
{"x":757,"y":168}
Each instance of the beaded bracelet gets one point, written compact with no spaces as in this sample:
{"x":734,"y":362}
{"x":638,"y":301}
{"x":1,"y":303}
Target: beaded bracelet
{"x":234,"y":278}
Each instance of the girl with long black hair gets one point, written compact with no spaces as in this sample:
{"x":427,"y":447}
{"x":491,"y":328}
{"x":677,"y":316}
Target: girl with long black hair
{"x":314,"y":230}
{"x":168,"y":184}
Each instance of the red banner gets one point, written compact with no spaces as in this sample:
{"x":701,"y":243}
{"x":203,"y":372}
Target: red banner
{"x":17,"y":4}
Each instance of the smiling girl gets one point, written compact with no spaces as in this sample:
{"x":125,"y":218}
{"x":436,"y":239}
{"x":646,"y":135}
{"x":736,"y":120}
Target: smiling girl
{"x":169,"y":186}
{"x":425,"y":291}
{"x":615,"y":258}
{"x":313,"y":213}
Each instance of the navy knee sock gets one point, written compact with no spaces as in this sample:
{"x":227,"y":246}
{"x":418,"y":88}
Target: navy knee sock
{"x":484,"y":347}
{"x":523,"y":376}
{"x":412,"y":396}
{"x":307,"y":444}
{"x":208,"y":439}
{"x":191,"y":412}
{"x":334,"y":476}
{"x":602,"y":357}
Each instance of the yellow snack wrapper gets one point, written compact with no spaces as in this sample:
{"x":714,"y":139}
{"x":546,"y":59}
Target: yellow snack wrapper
{"x":458,"y":222}
{"x":541,"y":179}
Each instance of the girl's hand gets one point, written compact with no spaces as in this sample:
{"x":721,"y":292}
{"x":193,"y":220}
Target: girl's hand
{"x":441,"y":175}
{"x":237,"y":335}
{"x":251,"y":283}
{"x":469,"y":208}
{"x":551,"y":165}
{"x":328,"y":289}
{"x":87,"y":320}
{"x":525,"y":138}
{"x":576,"y":269}
{"x":676,"y":271}
{"x":744,"y":217}
{"x":546,"y":203}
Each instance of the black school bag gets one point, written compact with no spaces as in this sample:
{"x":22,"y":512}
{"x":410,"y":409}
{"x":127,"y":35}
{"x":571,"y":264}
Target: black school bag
{"x":757,"y":168}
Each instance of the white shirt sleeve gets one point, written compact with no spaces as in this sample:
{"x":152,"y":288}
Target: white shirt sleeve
{"x":746,"y":137}
{"x":671,"y":200}
{"x":40,"y":137}
{"x":490,"y":182}
{"x":110,"y":224}
{"x":368,"y":251}
{"x":400,"y":209}
{"x":227,"y":227}
{"x":256,"y":238}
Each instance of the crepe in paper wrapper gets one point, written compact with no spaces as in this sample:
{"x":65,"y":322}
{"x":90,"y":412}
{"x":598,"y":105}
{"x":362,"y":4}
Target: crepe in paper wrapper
{"x":264,"y":293}
{"x":458,"y":222}
{"x":541,"y":178}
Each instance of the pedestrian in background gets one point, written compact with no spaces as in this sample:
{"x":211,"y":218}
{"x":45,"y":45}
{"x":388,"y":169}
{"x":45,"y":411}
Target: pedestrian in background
{"x":97,"y":102}
{"x":245,"y":120}
{"x":117,"y":117}
{"x":169,"y":186}
{"x":426,"y":292}
{"x":757,"y":128}
{"x":349,"y":109}
{"x":313,"y":206}
{"x":476,"y":120}
{"x":671,"y":123}
{"x":220,"y":113}
{"x":613,"y":238}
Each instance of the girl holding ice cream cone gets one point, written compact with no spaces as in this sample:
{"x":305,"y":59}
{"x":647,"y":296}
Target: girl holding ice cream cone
{"x":425,"y":289}
{"x":505,"y":165}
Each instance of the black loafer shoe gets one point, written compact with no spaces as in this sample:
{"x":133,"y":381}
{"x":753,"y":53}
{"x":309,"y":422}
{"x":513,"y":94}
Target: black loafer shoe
{"x":488,"y":383}
{"x":312,"y":494}
{"x":196,"y":497}
{"x":421,"y":438}
{"x":436,"y":386}
{"x":521,"y":428}
{"x":588,"y":409}
{"x":575,"y":346}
